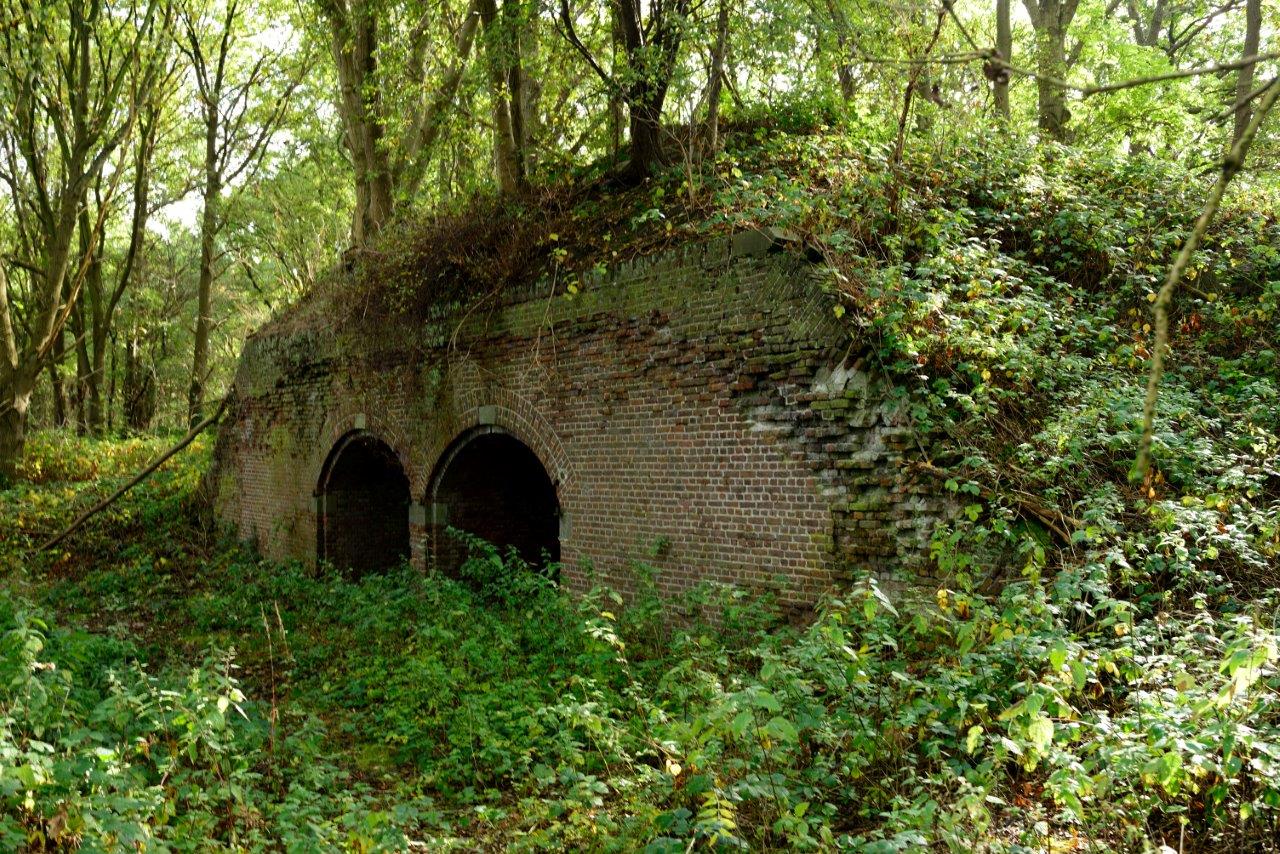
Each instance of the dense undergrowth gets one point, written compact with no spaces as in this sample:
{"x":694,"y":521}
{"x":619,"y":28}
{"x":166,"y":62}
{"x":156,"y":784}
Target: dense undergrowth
{"x":1097,"y":668}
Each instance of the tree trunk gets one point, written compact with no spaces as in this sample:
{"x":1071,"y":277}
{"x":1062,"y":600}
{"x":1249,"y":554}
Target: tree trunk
{"x":355,"y":42}
{"x":617,"y":109}
{"x":111,"y":389}
{"x":17,"y":380}
{"x":98,"y":364}
{"x":13,"y":402}
{"x":1004,"y":46}
{"x":502,"y":64}
{"x":89,"y":335}
{"x":1245,"y":78}
{"x":139,"y":387}
{"x":81,"y":392}
{"x":1051,"y":61}
{"x":646,"y":139}
{"x":530,"y":100}
{"x":61,"y":405}
{"x":13,"y":426}
{"x":1050,"y":20}
{"x":130,"y":379}
{"x":848,"y":86}
{"x":845,"y":76}
{"x":715,"y":78}
{"x":204,"y":290}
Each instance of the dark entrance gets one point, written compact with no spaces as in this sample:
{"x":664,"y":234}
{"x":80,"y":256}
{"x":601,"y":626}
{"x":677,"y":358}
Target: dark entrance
{"x":493,"y":486}
{"x":362,"y":506}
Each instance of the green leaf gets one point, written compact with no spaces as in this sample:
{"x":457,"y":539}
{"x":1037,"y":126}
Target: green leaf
{"x":1078,"y":674}
{"x":1057,"y":655}
{"x":1040,"y":731}
{"x":766,"y":700}
{"x":783,"y":730}
{"x":742,"y":722}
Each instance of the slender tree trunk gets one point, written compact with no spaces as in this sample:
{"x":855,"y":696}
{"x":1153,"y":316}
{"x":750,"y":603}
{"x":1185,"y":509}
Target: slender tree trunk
{"x":130,"y":389}
{"x":111,"y":389}
{"x":515,"y":42}
{"x":98,"y":364}
{"x":715,"y":78}
{"x":83,"y":370}
{"x":530,"y":100}
{"x":1245,"y":78}
{"x":501,"y":65}
{"x":90,"y":332}
{"x":204,"y":290}
{"x":61,"y":405}
{"x":1004,"y":45}
{"x":617,"y":109}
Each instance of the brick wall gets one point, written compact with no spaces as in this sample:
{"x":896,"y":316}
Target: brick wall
{"x":699,"y":411}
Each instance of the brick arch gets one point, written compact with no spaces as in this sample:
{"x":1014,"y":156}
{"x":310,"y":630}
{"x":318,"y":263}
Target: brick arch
{"x":339,"y":425}
{"x":362,"y":505}
{"x":527,"y":513}
{"x":461,"y":441}
{"x":514,"y":415}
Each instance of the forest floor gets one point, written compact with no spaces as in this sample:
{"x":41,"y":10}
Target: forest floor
{"x":163,"y":687}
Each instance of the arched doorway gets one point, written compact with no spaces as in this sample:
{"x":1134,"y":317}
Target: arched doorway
{"x":491,"y":484}
{"x":362,"y":506}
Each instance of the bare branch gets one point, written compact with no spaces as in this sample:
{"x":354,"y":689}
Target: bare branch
{"x":566,"y":18}
{"x":1231,"y":166}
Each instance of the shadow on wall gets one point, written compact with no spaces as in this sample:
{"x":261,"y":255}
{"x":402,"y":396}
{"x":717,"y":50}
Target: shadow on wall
{"x":362,"y":506}
{"x":492,"y":485}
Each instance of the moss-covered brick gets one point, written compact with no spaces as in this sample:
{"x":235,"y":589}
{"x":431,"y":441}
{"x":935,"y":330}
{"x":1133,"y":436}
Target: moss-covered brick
{"x":700,"y":398}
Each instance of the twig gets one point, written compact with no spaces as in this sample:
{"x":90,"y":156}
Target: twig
{"x":1229,"y":111}
{"x":1087,"y":91}
{"x":1052,"y":518}
{"x":139,"y":478}
{"x":992,"y":56}
{"x":895,"y":161}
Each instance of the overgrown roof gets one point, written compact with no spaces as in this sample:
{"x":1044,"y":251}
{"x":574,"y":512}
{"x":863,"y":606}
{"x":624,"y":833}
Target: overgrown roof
{"x":1006,"y":289}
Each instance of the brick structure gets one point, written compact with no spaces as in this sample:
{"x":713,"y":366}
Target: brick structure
{"x":698,"y":411}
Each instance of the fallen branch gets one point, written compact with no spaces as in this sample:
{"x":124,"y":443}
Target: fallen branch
{"x":1051,"y":517}
{"x":1231,"y":165}
{"x":139,"y":478}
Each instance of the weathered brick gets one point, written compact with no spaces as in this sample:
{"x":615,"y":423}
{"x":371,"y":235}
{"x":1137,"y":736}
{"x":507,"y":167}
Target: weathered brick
{"x":702,"y":400}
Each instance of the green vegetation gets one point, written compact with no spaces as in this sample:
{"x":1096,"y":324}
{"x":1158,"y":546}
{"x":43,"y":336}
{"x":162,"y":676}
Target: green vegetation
{"x":1097,"y":668}
{"x":998,"y":198}
{"x":209,"y":161}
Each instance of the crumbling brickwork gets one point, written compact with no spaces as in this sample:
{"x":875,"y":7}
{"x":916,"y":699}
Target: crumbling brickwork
{"x":700,"y":412}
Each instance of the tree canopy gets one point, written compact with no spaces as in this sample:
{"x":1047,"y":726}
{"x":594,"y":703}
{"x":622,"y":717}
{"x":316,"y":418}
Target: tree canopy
{"x":177,"y":171}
